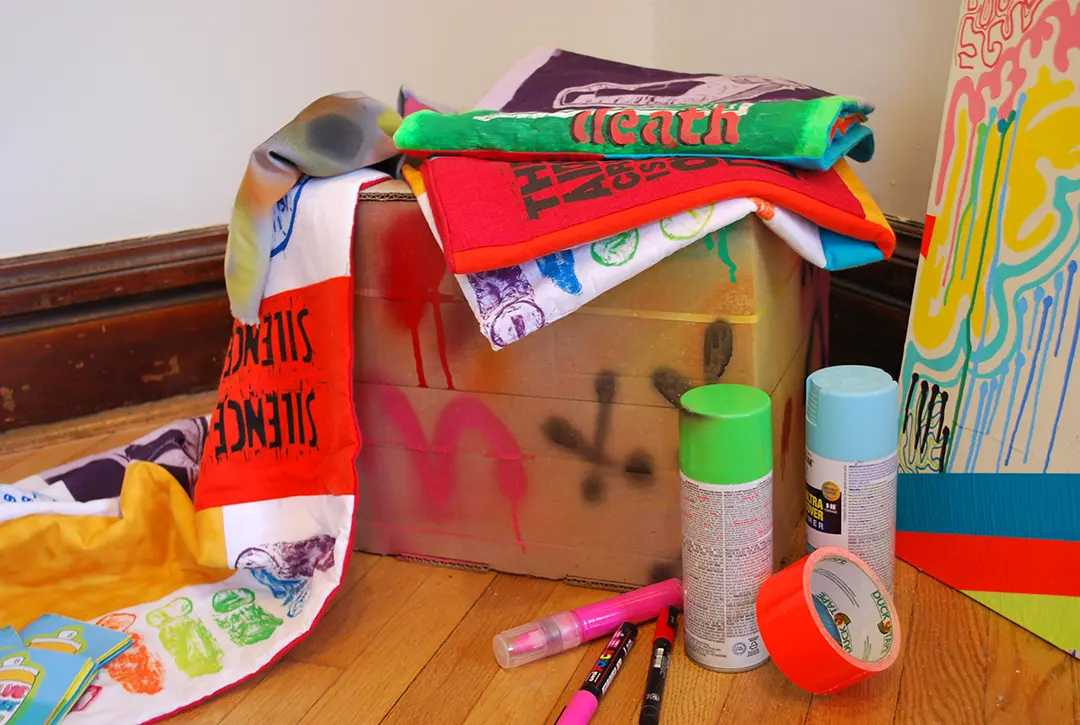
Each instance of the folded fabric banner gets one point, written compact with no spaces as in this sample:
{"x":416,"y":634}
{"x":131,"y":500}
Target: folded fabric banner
{"x":492,"y":215}
{"x":227,"y":550}
{"x":551,"y":79}
{"x":334,"y":135}
{"x":513,"y":302}
{"x":810,"y":134}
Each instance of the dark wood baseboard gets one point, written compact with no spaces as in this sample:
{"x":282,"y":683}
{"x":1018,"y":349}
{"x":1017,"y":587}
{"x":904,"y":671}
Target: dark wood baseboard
{"x":97,"y":328}
{"x":869,"y":306}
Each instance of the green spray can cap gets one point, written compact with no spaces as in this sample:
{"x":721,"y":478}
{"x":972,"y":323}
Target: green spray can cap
{"x":725,"y":434}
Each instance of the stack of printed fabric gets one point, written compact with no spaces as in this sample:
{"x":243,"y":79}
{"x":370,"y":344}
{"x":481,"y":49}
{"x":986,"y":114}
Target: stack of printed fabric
{"x":577,"y":173}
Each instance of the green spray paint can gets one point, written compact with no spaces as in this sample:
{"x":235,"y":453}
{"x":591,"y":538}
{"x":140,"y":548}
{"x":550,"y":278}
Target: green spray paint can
{"x":725,"y":458}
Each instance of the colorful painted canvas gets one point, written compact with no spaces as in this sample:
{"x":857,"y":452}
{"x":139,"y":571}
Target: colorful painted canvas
{"x":990,"y":442}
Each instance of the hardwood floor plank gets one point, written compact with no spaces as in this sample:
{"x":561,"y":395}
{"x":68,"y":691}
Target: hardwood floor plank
{"x":1029,"y":681}
{"x":525,"y":695}
{"x":284,"y":696}
{"x":358,"y":567}
{"x":946,"y":652}
{"x":43,"y":459}
{"x":370,"y":687}
{"x":762,"y":696}
{"x":353,"y":623}
{"x":692,"y":694}
{"x":455,"y":678}
{"x":1076,"y":690}
{"x":873,"y":701}
{"x":8,"y":460}
{"x":154,"y":415}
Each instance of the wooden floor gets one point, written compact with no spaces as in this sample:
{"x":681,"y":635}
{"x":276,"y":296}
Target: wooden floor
{"x":410,"y":644}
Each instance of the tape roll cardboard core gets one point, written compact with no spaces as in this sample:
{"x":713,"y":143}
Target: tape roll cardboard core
{"x":842,"y":592}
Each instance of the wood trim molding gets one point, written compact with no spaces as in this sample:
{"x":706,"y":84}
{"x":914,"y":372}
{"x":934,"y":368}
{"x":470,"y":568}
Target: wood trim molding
{"x":95,"y":328}
{"x":893,"y":281}
{"x":108,"y":272}
{"x":869,"y":306}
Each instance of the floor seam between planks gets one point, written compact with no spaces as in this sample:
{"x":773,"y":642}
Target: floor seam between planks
{"x":313,"y":705}
{"x":442,"y":644}
{"x":903,"y":659}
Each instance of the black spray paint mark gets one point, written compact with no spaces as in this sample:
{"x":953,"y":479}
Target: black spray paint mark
{"x":717,"y":348}
{"x":638,"y":466}
{"x":664,"y":571}
{"x":927,"y":445}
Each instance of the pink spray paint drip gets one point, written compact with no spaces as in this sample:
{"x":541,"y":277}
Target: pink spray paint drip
{"x":438,"y":480}
{"x":467,"y":413}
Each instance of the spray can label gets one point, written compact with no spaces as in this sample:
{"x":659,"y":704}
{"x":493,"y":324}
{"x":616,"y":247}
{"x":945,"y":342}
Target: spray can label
{"x":852,"y":505}
{"x":727,"y":556}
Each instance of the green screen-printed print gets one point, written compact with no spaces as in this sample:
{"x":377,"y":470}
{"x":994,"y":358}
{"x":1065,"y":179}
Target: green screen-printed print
{"x":617,"y":250}
{"x":186,"y":638}
{"x":237,"y":612}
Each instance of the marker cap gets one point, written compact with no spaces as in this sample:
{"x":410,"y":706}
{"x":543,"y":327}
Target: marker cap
{"x":725,"y":434}
{"x":536,"y":640}
{"x":852,"y":413}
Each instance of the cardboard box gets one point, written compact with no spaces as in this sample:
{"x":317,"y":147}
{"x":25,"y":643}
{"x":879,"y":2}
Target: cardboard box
{"x":517,"y":460}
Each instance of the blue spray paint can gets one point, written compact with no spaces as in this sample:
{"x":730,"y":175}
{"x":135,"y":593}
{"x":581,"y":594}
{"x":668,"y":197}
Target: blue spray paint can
{"x":852,"y":435}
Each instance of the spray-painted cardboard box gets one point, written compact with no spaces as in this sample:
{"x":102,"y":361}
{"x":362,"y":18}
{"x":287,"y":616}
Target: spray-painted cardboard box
{"x":558,"y":455}
{"x":989,"y":491}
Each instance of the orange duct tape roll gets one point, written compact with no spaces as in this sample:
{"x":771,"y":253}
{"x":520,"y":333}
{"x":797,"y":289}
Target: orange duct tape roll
{"x":828,"y":621}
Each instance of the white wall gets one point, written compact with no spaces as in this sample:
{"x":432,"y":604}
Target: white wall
{"x":894,"y":53}
{"x":124,"y":118}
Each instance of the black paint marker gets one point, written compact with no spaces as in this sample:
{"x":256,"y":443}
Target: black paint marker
{"x":661,"y":659}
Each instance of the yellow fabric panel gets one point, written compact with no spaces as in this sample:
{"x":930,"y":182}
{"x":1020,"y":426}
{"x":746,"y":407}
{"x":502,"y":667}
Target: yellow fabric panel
{"x":86,"y":566}
{"x":856,"y":187}
{"x":1054,"y":618}
{"x":210,"y":525}
{"x":414,"y":179}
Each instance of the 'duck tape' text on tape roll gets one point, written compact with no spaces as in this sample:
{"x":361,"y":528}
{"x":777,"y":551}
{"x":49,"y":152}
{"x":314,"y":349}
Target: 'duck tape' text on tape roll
{"x":828,"y":621}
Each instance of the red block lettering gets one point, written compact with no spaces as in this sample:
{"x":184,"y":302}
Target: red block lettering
{"x":658,"y":129}
{"x":687,"y":116}
{"x":622,"y":127}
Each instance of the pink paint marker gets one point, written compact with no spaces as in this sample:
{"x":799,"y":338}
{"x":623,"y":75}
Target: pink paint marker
{"x":559,"y":632}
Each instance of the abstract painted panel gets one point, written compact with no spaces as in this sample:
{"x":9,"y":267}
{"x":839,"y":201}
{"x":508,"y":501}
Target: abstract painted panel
{"x":990,"y":415}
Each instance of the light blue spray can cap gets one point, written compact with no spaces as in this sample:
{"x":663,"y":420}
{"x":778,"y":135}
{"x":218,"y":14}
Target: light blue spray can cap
{"x":852,"y":413}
